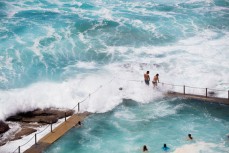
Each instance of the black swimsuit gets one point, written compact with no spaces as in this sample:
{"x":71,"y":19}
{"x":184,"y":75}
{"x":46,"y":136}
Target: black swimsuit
{"x":147,"y":82}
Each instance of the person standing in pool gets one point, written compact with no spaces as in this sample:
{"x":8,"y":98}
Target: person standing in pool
{"x":155,"y":80}
{"x":147,"y":78}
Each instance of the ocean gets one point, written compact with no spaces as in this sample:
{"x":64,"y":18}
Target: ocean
{"x":54,"y":53}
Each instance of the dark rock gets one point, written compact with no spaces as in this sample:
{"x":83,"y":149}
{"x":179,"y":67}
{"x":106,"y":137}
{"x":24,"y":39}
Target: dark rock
{"x":40,"y":112}
{"x":26,"y":114}
{"x":32,"y":119}
{"x":3,"y":127}
{"x":14,"y":118}
{"x":41,"y":119}
{"x":61,"y":114}
{"x":48,"y":115}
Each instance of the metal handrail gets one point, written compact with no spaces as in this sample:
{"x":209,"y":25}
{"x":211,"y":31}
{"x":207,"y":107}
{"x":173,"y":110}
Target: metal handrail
{"x":192,"y":87}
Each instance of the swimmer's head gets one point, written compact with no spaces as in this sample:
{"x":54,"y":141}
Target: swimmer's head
{"x":145,"y":148}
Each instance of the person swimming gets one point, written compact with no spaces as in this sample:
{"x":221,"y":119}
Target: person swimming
{"x":165,"y":148}
{"x":145,"y":149}
{"x":190,"y":137}
{"x":78,"y":124}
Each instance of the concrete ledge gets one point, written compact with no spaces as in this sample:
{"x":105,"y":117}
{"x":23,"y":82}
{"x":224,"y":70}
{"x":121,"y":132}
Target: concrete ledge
{"x":199,"y":97}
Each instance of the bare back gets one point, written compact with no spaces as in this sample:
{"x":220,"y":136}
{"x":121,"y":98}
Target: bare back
{"x":155,"y":79}
{"x":146,"y":76}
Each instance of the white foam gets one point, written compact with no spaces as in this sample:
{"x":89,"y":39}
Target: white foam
{"x":3,"y":79}
{"x":86,"y":65}
{"x":174,"y":68}
{"x":105,"y":13}
{"x":67,"y":94}
{"x":198,"y":1}
{"x":19,"y":40}
{"x":199,"y":147}
{"x":14,"y":127}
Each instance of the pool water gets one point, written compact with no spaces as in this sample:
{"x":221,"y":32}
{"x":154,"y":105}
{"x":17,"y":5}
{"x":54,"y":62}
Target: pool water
{"x":131,"y":125}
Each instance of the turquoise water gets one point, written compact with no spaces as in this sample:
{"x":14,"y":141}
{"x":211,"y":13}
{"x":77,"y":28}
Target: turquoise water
{"x":54,"y":53}
{"x":42,"y":39}
{"x":131,"y":125}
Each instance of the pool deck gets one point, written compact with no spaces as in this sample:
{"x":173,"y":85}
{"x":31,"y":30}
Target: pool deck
{"x":56,"y":133}
{"x":199,"y":97}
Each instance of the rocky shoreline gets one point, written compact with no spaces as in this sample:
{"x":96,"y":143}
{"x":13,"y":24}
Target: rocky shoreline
{"x":28,"y":122}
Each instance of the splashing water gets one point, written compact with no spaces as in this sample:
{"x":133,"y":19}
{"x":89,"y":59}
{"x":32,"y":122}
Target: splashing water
{"x":54,"y":53}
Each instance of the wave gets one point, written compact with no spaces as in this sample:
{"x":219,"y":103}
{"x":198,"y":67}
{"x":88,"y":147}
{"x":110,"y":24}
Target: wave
{"x":200,"y":147}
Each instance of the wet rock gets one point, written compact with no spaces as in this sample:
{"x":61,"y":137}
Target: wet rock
{"x":49,"y":115}
{"x":3,"y":127}
{"x":14,"y":118}
{"x":30,"y":120}
{"x":41,"y":119}
{"x":24,"y":132}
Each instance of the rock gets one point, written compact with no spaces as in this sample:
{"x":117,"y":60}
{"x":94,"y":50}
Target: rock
{"x":14,"y":118}
{"x":3,"y":127}
{"x":23,"y":132}
{"x":41,"y":119}
{"x":61,"y":114}
{"x":49,"y":115}
{"x":32,"y":119}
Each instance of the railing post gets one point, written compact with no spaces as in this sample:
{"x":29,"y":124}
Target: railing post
{"x":78,"y":107}
{"x":19,"y":149}
{"x":35,"y":138}
{"x":228,"y":95}
{"x":51,"y":127}
{"x":65,"y":116}
{"x":184,"y":89}
{"x":206,"y":92}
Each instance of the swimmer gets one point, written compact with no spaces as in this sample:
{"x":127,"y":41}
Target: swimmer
{"x":165,"y":148}
{"x":190,"y":137}
{"x":78,"y":124}
{"x":145,"y":149}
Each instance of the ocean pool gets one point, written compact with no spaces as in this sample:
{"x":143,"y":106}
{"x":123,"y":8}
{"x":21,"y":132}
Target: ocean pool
{"x":131,"y":125}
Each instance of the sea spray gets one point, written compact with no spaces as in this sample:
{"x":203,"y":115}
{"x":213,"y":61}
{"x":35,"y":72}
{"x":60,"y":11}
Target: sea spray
{"x":56,"y":53}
